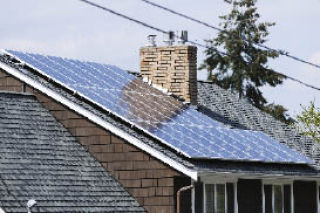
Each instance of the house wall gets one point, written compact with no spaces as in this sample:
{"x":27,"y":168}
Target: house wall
{"x":185,"y":196}
{"x":147,"y":179}
{"x":305,"y":196}
{"x":249,"y":196}
{"x":198,"y":201}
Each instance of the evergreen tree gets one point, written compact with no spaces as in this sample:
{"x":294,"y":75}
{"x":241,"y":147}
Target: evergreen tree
{"x":236,"y":62}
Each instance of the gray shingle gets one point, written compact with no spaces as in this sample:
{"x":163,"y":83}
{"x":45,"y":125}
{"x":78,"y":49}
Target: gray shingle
{"x":40,"y":160}
{"x":226,"y":107}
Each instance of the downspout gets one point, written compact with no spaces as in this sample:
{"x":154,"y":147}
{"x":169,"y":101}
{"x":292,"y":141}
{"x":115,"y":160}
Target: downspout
{"x":185,"y":188}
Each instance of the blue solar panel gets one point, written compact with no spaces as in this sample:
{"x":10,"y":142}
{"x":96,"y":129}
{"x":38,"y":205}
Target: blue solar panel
{"x":183,"y":128}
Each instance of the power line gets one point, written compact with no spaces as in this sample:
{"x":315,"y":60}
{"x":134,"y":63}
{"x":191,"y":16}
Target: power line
{"x":181,"y":15}
{"x":139,"y":22}
{"x":191,"y":42}
{"x":124,"y":16}
{"x":221,"y":30}
{"x":300,"y":82}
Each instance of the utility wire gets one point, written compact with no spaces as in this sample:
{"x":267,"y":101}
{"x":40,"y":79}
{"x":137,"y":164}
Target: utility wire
{"x":124,"y":16}
{"x":191,"y":42}
{"x":181,"y":15}
{"x":221,"y":30}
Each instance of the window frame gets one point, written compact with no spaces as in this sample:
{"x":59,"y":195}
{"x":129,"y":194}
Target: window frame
{"x":223,"y":181}
{"x":274,"y":183}
{"x":282,"y":197}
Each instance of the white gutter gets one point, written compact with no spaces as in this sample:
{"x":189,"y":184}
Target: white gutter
{"x":237,"y":175}
{"x":92,"y":117}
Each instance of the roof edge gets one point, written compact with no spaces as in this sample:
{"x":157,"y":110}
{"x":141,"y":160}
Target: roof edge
{"x":97,"y":120}
{"x":258,"y":175}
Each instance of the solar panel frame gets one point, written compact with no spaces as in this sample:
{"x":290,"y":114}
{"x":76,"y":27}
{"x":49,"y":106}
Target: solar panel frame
{"x":94,"y":102}
{"x":160,"y":133}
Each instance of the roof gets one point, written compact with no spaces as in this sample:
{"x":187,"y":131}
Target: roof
{"x":40,"y":160}
{"x":179,"y":126}
{"x":145,"y":141}
{"x":226,"y":107}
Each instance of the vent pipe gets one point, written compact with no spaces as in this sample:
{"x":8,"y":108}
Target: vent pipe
{"x":152,"y":40}
{"x":30,"y":204}
{"x":183,"y":37}
{"x":169,"y":38}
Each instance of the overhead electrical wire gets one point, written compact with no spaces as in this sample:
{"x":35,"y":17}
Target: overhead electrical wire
{"x":191,"y":42}
{"x":280,"y":52}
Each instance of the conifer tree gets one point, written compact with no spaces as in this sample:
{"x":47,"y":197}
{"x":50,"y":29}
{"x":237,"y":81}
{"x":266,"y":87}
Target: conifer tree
{"x":235,"y":61}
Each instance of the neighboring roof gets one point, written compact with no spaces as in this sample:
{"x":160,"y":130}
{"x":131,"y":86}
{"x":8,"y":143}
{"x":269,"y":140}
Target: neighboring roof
{"x":40,"y":160}
{"x":226,"y":107}
{"x":150,"y":144}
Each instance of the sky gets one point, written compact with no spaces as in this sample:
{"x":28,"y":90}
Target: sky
{"x":75,"y":30}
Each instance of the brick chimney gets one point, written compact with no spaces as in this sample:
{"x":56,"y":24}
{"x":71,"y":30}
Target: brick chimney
{"x":173,"y":68}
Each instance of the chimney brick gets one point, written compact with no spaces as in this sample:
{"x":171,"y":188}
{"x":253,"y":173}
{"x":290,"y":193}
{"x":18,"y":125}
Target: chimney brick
{"x":173,"y":68}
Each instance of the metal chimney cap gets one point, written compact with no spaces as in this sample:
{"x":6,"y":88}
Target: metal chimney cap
{"x":152,"y":40}
{"x":169,"y":38}
{"x":182,"y":36}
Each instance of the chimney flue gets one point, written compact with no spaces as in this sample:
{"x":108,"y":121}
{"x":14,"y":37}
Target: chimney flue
{"x":173,"y":68}
{"x":183,"y":37}
{"x":152,"y":40}
{"x":169,"y":38}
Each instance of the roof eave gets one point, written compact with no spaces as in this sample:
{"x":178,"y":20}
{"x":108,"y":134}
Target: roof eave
{"x":257,"y":175}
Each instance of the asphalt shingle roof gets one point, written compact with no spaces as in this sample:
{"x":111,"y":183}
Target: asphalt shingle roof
{"x":40,"y":160}
{"x":226,"y":107}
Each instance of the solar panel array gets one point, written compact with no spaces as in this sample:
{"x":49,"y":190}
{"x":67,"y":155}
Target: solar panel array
{"x":183,"y":128}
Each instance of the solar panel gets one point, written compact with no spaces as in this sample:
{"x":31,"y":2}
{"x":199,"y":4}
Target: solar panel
{"x":183,"y":128}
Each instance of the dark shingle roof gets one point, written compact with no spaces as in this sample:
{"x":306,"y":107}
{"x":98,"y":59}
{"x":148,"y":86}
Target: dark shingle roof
{"x":40,"y":160}
{"x":226,"y":107}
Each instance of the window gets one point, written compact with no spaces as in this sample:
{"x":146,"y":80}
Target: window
{"x":277,"y":198}
{"x":210,"y":200}
{"x":219,"y":198}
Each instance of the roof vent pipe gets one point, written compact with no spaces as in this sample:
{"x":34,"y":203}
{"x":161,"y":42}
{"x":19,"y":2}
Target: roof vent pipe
{"x":169,"y":38}
{"x":183,"y":37}
{"x":152,"y":40}
{"x":30,"y":204}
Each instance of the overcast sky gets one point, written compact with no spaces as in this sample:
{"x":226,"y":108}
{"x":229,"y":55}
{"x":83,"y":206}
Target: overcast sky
{"x":73,"y":29}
